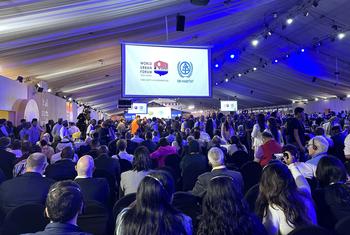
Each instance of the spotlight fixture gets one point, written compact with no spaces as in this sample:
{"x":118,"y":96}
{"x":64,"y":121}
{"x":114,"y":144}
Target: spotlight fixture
{"x":232,"y":56}
{"x":341,"y":36}
{"x":255,"y":42}
{"x":348,"y":96}
{"x":302,"y":50}
{"x":200,"y":2}
{"x":239,"y":75}
{"x":289,"y":21}
{"x":20,"y":79}
{"x":293,"y":101}
{"x":38,"y":88}
{"x":287,"y":56}
{"x":216,"y":83}
{"x":276,"y":60}
{"x":306,"y":13}
{"x":64,"y":97}
{"x":254,"y":69}
{"x":216,"y":65}
{"x":269,"y":33}
{"x":226,"y":79}
{"x":49,"y":90}
{"x":70,"y":99}
{"x":316,"y":99}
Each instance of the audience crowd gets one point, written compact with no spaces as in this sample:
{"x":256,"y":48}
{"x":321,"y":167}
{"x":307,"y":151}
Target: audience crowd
{"x":246,"y":174}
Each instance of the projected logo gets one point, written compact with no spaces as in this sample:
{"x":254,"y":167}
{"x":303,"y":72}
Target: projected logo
{"x":185,"y":69}
{"x":160,"y":68}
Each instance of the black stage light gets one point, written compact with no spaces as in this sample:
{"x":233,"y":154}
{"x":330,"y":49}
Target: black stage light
{"x":20,"y":79}
{"x":180,"y":23}
{"x":200,"y":2}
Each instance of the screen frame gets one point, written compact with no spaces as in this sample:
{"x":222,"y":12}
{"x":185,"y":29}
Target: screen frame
{"x":229,"y":101}
{"x":123,"y":44}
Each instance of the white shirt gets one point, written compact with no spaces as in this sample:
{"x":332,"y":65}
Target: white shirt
{"x":64,"y":132}
{"x":56,"y":130}
{"x":124,"y":155}
{"x":130,"y":180}
{"x":90,"y":129}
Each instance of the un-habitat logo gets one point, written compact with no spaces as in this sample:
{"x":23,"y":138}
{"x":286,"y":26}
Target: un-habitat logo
{"x":185,"y":69}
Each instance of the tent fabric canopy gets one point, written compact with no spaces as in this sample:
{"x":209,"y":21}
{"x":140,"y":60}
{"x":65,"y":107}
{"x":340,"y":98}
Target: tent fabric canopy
{"x":74,"y":46}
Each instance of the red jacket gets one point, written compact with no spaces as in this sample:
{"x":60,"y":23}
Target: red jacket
{"x":269,"y":148}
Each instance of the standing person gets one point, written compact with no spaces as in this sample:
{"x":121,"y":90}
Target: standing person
{"x":34,"y":132}
{"x":273,"y":129}
{"x":224,"y":211}
{"x":135,"y":125}
{"x":49,"y":127}
{"x":3,"y":131}
{"x":258,"y":129}
{"x":284,"y":202}
{"x":7,"y":159}
{"x":64,"y":131}
{"x":57,"y":128}
{"x":226,"y":129}
{"x":153,"y":205}
{"x":24,"y":133}
{"x":296,"y":130}
{"x":91,"y":128}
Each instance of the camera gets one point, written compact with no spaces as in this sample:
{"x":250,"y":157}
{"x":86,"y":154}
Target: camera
{"x":280,"y":156}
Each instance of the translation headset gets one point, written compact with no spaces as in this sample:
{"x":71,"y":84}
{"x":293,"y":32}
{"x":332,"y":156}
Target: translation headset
{"x":314,"y":147}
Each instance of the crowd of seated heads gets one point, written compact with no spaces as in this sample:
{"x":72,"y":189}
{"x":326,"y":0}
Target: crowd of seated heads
{"x":110,"y":159}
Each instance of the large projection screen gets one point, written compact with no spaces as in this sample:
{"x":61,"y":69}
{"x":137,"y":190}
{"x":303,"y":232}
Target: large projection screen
{"x":150,"y":70}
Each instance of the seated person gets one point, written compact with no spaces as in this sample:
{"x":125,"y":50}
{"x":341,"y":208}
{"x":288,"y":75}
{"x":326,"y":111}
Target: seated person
{"x":63,"y":205}
{"x":264,"y":152}
{"x":164,"y":150}
{"x":63,"y":169}
{"x":93,"y":189}
{"x":122,"y":154}
{"x":31,"y":187}
{"x":216,"y":160}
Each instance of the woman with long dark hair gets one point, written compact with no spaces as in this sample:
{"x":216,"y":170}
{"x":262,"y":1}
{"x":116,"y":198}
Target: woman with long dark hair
{"x":258,"y":129}
{"x":284,"y":200}
{"x":333,"y":197}
{"x":235,"y":145}
{"x":273,"y":129}
{"x":152,"y":212}
{"x":225,"y":212}
{"x":226,"y":129}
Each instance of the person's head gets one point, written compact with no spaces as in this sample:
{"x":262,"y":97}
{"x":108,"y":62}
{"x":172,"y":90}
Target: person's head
{"x":317,"y":145}
{"x":163,"y":142}
{"x":64,"y":202}
{"x":291,"y":151}
{"x":26,"y":147}
{"x":193,"y":146}
{"x":142,"y":161}
{"x":138,"y":117}
{"x":5,"y":142}
{"x":319,"y":131}
{"x":224,"y":211}
{"x":336,"y":130}
{"x":16,"y":144}
{"x":299,"y":113}
{"x":34,"y":122}
{"x":23,"y":121}
{"x":330,"y":170}
{"x":67,"y":153}
{"x":51,"y":122}
{"x":121,"y":145}
{"x":216,"y":157}
{"x":85,"y":166}
{"x":216,"y":140}
{"x":59,"y":121}
{"x":266,"y":136}
{"x":93,"y":122}
{"x":103,"y":149}
{"x":277,"y":187}
{"x":260,"y":119}
{"x":36,"y":162}
{"x":148,"y":135}
{"x":65,"y":123}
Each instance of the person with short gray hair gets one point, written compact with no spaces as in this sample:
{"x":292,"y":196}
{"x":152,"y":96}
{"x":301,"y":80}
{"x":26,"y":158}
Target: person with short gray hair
{"x":216,"y":160}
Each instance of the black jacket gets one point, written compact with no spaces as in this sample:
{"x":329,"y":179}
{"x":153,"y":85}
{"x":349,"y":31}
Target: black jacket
{"x":94,"y":189}
{"x":60,"y":229}
{"x":30,"y":187}
{"x":192,"y":166}
{"x":7,"y":161}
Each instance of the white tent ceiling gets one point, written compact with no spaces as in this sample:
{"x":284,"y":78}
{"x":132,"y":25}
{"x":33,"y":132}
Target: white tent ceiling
{"x":74,"y":46}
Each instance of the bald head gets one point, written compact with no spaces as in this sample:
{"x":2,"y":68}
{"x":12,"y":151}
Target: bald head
{"x":36,"y":162}
{"x":85,"y":166}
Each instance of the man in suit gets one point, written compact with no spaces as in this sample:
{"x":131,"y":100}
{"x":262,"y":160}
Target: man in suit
{"x":148,"y":143}
{"x":130,"y":145}
{"x":7,"y":159}
{"x":216,"y":160}
{"x":93,"y":189}
{"x":63,"y":218}
{"x":63,"y":169}
{"x":31,"y":187}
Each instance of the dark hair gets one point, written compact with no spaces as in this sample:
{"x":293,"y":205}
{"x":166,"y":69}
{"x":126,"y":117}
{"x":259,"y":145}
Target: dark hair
{"x":148,"y":135}
{"x":64,"y":201}
{"x":193,"y":146}
{"x":26,"y":147}
{"x":152,"y":212}
{"x":163,"y":142}
{"x":196,"y":135}
{"x":178,"y":138}
{"x":235,"y":140}
{"x":121,"y":145}
{"x":35,"y":149}
{"x":227,"y":125}
{"x":292,"y":149}
{"x":261,"y":121}
{"x":266,"y":134}
{"x":298,"y":110}
{"x":224,"y":211}
{"x":142,"y":161}
{"x":330,"y":170}
{"x":67,"y":153}
{"x":16,"y":144}
{"x":278,"y":188}
{"x":319,"y":131}
{"x":273,"y":128}
{"x":43,"y":143}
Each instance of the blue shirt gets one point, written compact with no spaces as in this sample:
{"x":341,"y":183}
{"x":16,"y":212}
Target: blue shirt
{"x":316,"y":159}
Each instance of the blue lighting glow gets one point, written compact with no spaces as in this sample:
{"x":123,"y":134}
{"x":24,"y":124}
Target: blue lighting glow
{"x":216,"y":65}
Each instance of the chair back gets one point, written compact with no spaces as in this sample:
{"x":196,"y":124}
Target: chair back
{"x":251,"y":173}
{"x":251,"y":196}
{"x":125,"y":165}
{"x":310,"y":230}
{"x":28,"y":218}
{"x":122,"y":203}
{"x":188,"y":204}
{"x":343,"y":226}
{"x":238,"y":158}
{"x":94,"y":219}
